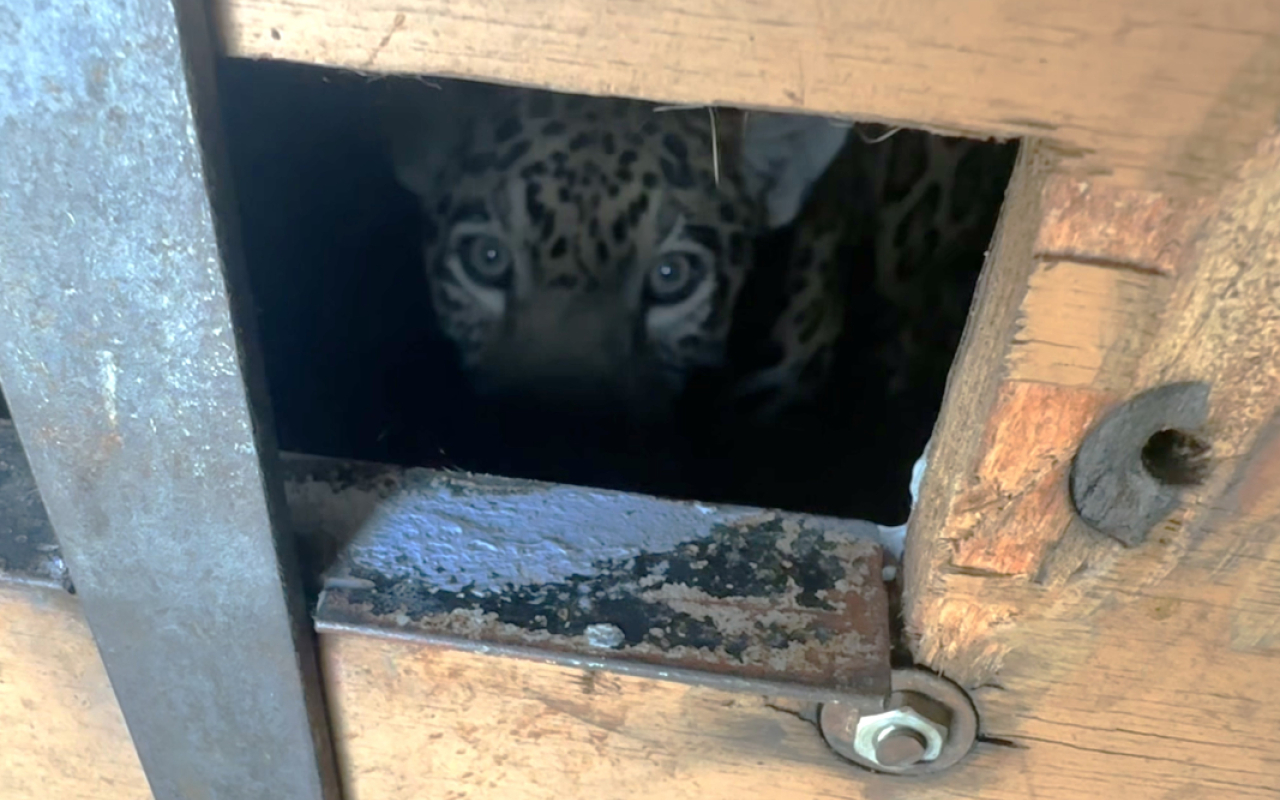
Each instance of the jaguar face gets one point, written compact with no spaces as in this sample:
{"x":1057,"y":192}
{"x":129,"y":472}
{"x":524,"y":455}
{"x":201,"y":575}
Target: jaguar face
{"x":587,"y":255}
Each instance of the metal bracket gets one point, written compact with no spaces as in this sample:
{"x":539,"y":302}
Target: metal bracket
{"x":738,"y":599}
{"x":680,"y":590}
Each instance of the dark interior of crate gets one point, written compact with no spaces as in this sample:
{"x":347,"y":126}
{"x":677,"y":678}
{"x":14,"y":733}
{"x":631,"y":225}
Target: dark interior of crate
{"x":333,"y":249}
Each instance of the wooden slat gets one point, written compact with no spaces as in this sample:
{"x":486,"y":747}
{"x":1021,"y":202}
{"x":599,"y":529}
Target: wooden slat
{"x":61,"y":731}
{"x":1148,"y":672}
{"x":415,"y":720}
{"x":1159,"y":93}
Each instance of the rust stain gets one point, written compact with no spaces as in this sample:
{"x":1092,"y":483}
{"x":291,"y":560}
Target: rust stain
{"x":1108,"y":225}
{"x":802,"y":605}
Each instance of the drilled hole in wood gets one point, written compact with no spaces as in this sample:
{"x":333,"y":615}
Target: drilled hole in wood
{"x":1177,"y":458}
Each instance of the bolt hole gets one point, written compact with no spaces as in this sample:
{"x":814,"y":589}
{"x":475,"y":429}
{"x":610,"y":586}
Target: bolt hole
{"x":1177,"y":458}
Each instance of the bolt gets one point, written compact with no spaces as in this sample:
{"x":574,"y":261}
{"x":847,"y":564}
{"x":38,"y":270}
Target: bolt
{"x":898,"y":724}
{"x":927,"y":725}
{"x":900,"y":747}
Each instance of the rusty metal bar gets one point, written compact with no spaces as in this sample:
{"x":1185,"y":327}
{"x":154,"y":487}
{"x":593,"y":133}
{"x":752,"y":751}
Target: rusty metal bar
{"x":716,"y":594}
{"x":121,"y":364}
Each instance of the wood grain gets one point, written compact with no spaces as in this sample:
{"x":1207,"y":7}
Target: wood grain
{"x":1157,"y":93}
{"x":1163,"y":658}
{"x":414,"y":720}
{"x":61,"y":732}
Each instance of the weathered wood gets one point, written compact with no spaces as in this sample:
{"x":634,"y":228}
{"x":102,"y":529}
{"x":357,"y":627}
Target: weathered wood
{"x":1159,"y":92}
{"x":411,"y":716}
{"x":414,"y":719}
{"x":1149,"y":670}
{"x":61,"y":732}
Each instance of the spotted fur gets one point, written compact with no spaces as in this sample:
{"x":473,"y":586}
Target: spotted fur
{"x":936,"y":201}
{"x":591,"y":253}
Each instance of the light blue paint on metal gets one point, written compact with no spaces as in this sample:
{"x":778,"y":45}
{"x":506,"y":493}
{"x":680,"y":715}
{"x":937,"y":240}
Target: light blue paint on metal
{"x":489,"y":533}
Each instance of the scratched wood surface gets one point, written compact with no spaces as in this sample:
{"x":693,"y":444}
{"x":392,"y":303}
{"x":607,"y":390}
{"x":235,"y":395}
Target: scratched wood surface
{"x":1156,"y":92}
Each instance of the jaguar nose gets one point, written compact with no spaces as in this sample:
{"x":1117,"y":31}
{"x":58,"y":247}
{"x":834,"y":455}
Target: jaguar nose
{"x":562,"y":353}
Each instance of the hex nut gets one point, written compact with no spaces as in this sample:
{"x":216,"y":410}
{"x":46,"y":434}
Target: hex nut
{"x":874,"y":730}
{"x":900,"y":748}
{"x":902,"y":740}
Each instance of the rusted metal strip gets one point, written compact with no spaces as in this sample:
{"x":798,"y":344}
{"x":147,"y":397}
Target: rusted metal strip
{"x":121,"y":366}
{"x":577,"y":573}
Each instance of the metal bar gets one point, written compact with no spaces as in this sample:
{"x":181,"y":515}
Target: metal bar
{"x":121,"y":365}
{"x":686,"y":588}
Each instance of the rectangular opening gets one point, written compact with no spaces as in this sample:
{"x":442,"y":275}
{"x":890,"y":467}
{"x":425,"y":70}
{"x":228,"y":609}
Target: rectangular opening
{"x":602,"y":292}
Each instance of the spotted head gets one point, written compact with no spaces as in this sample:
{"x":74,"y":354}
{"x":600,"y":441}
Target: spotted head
{"x":587,"y":253}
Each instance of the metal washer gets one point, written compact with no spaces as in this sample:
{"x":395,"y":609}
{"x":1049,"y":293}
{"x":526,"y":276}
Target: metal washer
{"x":838,"y":723}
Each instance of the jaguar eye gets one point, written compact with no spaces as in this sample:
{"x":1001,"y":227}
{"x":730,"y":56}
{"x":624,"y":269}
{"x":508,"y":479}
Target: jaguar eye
{"x":675,"y":277}
{"x":485,"y":258}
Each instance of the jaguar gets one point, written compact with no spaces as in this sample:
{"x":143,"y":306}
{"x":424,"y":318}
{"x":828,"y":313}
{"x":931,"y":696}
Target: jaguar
{"x":611,"y":258}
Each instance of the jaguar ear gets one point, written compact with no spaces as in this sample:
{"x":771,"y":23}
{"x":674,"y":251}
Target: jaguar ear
{"x":784,"y":155}
{"x":423,"y":124}
{"x":408,"y":115}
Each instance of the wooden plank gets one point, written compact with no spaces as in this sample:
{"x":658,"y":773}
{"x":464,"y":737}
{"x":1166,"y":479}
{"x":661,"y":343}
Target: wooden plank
{"x":1144,"y":672}
{"x":61,"y":731}
{"x":410,"y":715}
{"x":1158,"y":93}
{"x":412,"y":718}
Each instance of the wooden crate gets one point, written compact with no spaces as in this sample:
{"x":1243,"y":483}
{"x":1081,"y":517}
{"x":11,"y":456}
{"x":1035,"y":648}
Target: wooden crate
{"x":1139,"y":245}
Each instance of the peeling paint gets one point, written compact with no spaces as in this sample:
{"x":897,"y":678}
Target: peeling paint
{"x":744,"y":591}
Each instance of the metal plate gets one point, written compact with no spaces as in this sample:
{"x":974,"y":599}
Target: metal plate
{"x":591,"y":574}
{"x":735,"y":597}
